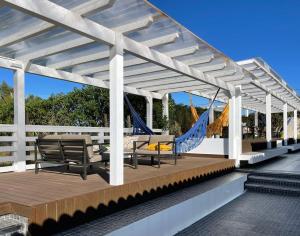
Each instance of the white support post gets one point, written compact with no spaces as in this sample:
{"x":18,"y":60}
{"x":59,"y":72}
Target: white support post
{"x":149,"y":111}
{"x":246,"y":113}
{"x":116,"y":112}
{"x":295,"y":125}
{"x":235,"y":125}
{"x":269,"y":120}
{"x":285,"y":124}
{"x":256,"y":123}
{"x":211,"y":113}
{"x":256,"y":119}
{"x":165,"y":105}
{"x":19,"y":120}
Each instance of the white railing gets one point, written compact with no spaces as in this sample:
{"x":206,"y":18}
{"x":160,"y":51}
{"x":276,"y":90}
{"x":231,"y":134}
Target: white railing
{"x":8,"y":139}
{"x":8,"y":143}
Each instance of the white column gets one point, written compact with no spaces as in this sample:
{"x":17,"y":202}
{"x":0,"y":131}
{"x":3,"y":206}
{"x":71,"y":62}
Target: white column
{"x":19,"y":120}
{"x":295,"y":125}
{"x":285,"y":124}
{"x":165,"y":105}
{"x":211,"y":113}
{"x":235,"y":125}
{"x":149,"y":111}
{"x":246,"y":113}
{"x":256,"y":123}
{"x":269,"y":120}
{"x":116,"y":112}
{"x":256,"y":119}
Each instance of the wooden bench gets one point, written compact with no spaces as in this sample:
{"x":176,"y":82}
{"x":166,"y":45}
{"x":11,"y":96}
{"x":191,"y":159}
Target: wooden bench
{"x":66,"y":151}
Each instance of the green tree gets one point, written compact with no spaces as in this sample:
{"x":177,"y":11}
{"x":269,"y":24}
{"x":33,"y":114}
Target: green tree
{"x":6,"y":104}
{"x":89,"y":106}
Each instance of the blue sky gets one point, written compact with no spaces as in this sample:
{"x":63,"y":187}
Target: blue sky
{"x":241,"y":29}
{"x":245,"y":28}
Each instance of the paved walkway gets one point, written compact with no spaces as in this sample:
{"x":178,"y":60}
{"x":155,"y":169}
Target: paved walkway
{"x":251,"y":214}
{"x":256,"y":213}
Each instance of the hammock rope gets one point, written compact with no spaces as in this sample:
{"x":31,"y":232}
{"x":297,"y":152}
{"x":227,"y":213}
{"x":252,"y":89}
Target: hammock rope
{"x":195,"y":135}
{"x":139,"y":126}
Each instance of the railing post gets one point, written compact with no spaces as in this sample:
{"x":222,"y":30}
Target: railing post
{"x":19,"y":120}
{"x":101,"y":137}
{"x":116,"y":112}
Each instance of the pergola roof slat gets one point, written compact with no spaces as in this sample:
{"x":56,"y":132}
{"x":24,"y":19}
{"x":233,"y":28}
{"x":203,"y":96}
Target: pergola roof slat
{"x":74,"y":37}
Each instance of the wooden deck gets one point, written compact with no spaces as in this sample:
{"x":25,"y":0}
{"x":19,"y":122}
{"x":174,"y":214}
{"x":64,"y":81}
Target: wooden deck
{"x":56,"y":196}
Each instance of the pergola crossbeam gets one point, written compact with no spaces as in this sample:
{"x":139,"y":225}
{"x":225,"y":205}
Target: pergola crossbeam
{"x":93,"y":54}
{"x":69,"y":20}
{"x":64,"y":44}
{"x":15,"y":35}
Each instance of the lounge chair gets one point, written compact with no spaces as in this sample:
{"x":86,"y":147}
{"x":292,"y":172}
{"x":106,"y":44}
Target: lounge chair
{"x":75,"y":150}
{"x":128,"y":146}
{"x":142,"y":148}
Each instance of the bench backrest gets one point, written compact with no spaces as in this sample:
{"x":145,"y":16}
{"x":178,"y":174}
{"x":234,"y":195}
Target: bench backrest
{"x":60,"y":150}
{"x":142,"y":138}
{"x":50,"y":149}
{"x":74,"y":150}
{"x":154,"y":139}
{"x":85,"y":137}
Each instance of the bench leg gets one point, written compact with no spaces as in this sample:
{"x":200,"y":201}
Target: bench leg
{"x":84,"y":172}
{"x":158,"y":161}
{"x":36,"y":167}
{"x":67,"y":166}
{"x":135,"y":159}
{"x":131,"y":160}
{"x":175,"y":159}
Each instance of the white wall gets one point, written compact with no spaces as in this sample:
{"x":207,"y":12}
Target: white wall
{"x":171,"y":220}
{"x":214,"y":146}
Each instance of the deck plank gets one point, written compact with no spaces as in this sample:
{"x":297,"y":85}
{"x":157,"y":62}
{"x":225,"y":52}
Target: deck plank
{"x":52,"y":193}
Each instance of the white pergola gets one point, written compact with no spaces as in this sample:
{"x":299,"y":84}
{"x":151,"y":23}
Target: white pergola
{"x":129,"y":46}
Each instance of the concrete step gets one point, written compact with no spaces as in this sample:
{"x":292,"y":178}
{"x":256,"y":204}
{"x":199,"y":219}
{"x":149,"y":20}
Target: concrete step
{"x":273,"y":189}
{"x":271,"y":180}
{"x":277,"y":174}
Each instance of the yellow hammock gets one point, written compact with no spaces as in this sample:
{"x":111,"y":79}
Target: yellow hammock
{"x":217,"y":126}
{"x":195,"y":116}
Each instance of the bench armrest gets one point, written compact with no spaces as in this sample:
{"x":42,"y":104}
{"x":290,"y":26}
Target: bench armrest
{"x":102,"y":148}
{"x":136,"y":142}
{"x":167,"y":142}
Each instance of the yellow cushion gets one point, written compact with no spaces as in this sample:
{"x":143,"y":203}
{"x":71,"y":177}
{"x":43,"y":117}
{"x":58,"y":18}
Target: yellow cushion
{"x":163,"y":147}
{"x":152,"y":147}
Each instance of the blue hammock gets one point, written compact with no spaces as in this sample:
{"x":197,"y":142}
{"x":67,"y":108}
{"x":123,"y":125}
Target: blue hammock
{"x":139,"y":126}
{"x":195,"y":135}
